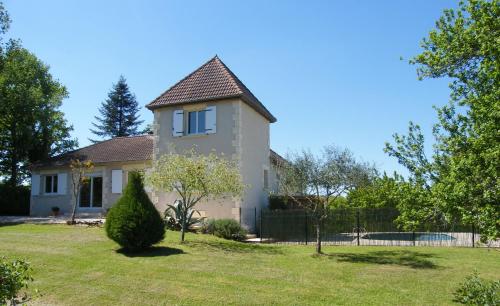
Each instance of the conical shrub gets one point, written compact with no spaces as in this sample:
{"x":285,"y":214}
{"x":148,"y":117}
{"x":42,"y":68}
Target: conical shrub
{"x":133,"y":222}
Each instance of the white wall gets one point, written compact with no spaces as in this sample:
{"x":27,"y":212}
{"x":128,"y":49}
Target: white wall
{"x":41,"y":204}
{"x":255,"y":152}
{"x":242,"y":135}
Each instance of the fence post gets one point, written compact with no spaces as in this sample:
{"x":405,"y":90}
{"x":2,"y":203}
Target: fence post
{"x":239,"y":214}
{"x":473,"y":234}
{"x":306,"y":225}
{"x":260,"y":229}
{"x":255,"y":218}
{"x":413,"y":237}
{"x":357,"y":226}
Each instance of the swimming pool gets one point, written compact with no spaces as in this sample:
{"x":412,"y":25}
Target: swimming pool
{"x":409,"y":236}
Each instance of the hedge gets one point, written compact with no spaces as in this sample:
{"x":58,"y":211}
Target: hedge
{"x":14,"y":201}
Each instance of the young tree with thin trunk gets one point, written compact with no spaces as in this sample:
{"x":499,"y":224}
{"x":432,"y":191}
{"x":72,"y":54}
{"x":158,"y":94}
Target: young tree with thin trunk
{"x":313,"y":182}
{"x":78,"y":171}
{"x":194,"y":177}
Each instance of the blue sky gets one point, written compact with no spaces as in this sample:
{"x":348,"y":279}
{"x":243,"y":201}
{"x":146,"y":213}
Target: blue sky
{"x":330,"y":71}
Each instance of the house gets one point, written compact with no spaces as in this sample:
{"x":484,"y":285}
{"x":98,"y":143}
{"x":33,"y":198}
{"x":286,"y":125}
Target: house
{"x":210,"y":109}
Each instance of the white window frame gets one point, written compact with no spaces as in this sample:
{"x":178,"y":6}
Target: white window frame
{"x":53,"y":178}
{"x":197,"y":126}
{"x":91,"y":202}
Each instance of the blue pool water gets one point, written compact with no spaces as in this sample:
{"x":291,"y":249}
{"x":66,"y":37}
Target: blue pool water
{"x":409,"y":236}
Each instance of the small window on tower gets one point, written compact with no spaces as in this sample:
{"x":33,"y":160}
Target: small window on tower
{"x":196,"y":122}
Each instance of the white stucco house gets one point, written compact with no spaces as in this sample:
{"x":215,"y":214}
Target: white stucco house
{"x":211,"y":109}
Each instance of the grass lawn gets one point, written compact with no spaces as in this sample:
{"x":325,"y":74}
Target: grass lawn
{"x":80,"y":266}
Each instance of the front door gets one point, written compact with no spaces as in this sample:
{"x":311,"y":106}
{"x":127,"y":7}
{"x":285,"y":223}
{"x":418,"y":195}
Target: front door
{"x":91,"y":192}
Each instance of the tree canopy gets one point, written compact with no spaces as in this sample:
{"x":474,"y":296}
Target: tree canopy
{"x":118,"y":114}
{"x":32,"y":127}
{"x":460,"y":180}
{"x":379,"y":192}
{"x":4,"y":20}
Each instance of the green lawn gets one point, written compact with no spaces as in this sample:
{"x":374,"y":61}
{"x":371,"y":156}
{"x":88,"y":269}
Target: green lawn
{"x":80,"y":266}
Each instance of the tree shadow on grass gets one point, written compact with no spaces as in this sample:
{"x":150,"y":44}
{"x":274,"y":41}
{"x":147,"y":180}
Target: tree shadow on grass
{"x":155,"y":251}
{"x":235,"y":247}
{"x":406,"y":258}
{"x":5,"y":224}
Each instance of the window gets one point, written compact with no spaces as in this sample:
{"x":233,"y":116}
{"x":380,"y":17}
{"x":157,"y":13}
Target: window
{"x":91,"y":192}
{"x":266,"y":179}
{"x":51,"y":184}
{"x":196,"y":122}
{"x":192,"y":123}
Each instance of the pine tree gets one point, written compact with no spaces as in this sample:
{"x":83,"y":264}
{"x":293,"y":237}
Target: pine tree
{"x":119,"y":113}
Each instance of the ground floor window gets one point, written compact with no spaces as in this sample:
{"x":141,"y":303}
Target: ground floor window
{"x":91,"y":192}
{"x":51,"y":184}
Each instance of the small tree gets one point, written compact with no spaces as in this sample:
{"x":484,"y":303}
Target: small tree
{"x":313,"y":182}
{"x":78,"y":171}
{"x":134,"y":222}
{"x":195,"y":177}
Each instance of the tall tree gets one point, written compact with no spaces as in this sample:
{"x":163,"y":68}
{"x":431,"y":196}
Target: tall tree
{"x":313,"y":182}
{"x":32,"y":127}
{"x":119,"y":113}
{"x":465,"y":169}
{"x":380,"y":192}
{"x":4,"y":20}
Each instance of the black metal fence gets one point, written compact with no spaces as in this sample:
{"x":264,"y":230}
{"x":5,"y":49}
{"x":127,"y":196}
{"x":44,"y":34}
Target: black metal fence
{"x":374,"y":226}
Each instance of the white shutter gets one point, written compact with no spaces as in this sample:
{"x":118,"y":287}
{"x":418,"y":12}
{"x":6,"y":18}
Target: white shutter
{"x":116,"y":181}
{"x":35,"y":184}
{"x":61,"y":183}
{"x":211,"y":120}
{"x":178,"y":123}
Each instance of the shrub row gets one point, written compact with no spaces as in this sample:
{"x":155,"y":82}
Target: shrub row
{"x":14,"y":200}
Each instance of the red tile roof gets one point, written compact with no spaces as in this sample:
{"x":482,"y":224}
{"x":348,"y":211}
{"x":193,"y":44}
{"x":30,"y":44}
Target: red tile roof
{"x":119,"y":149}
{"x":212,"y":81}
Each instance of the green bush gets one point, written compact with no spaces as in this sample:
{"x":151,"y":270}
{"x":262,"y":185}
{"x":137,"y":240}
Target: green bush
{"x":133,"y":222}
{"x":208,"y":226}
{"x":477,"y":291}
{"x":14,"y":201}
{"x":14,"y":276}
{"x":224,"y":228}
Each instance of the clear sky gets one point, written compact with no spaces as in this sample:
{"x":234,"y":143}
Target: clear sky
{"x":330,"y":71}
